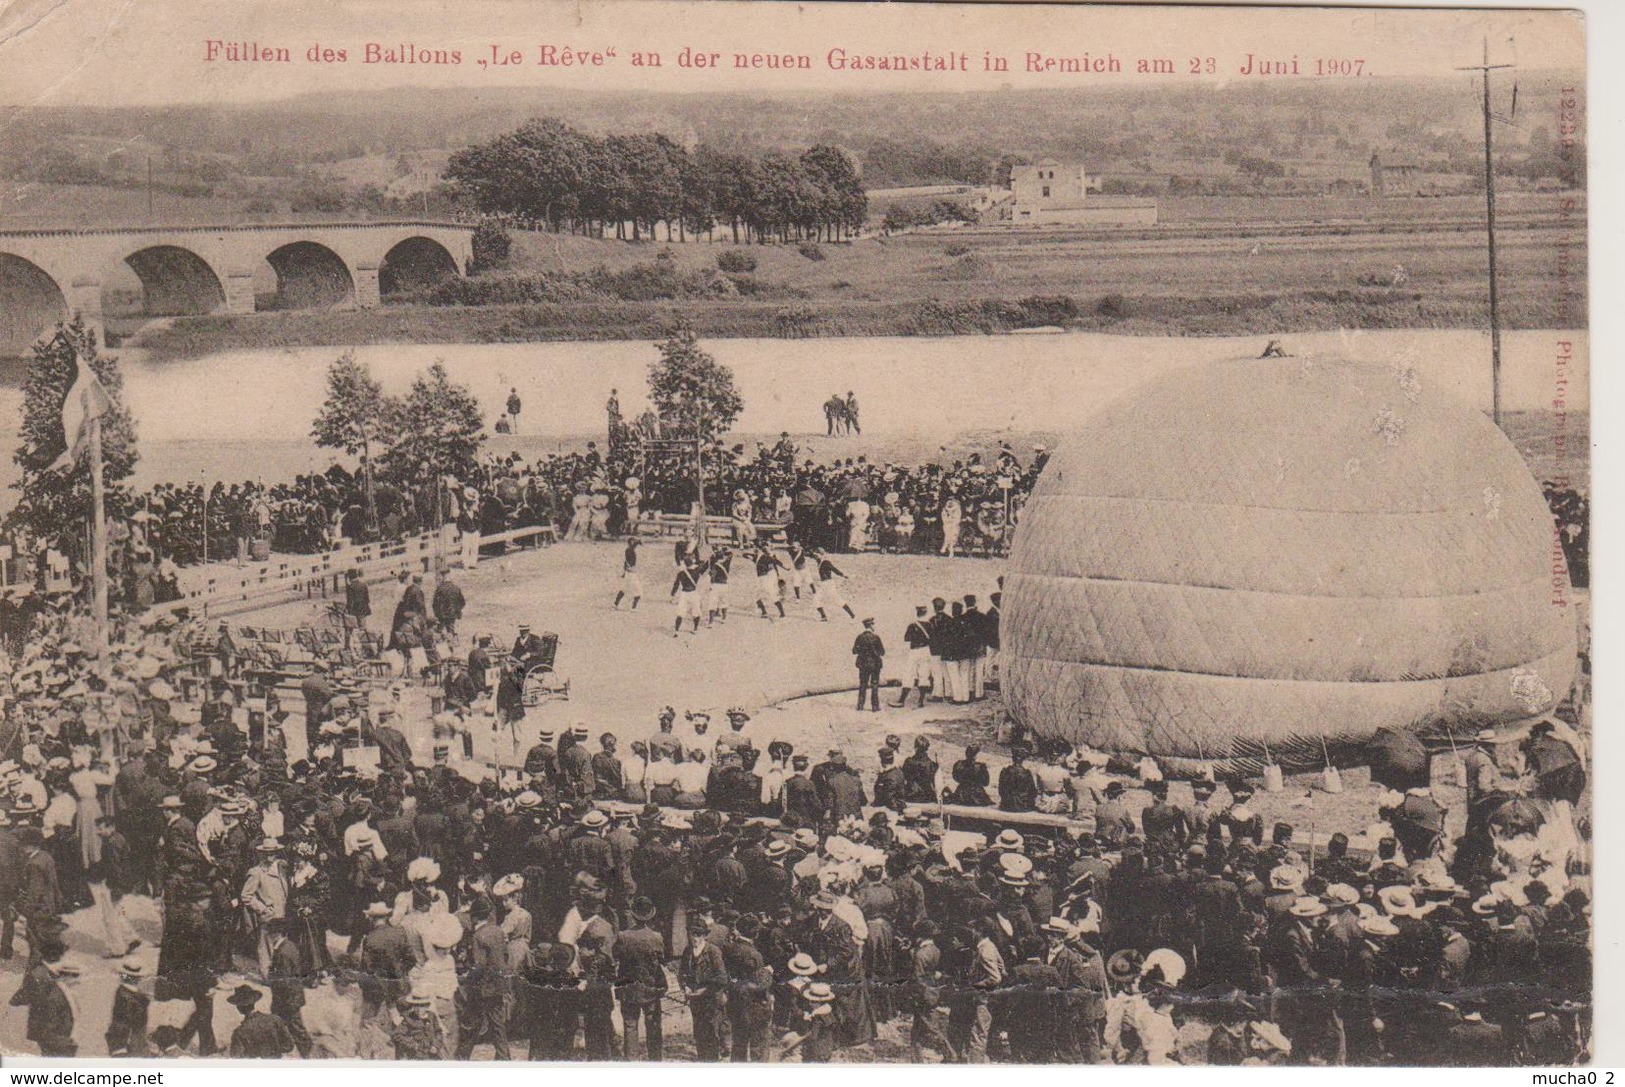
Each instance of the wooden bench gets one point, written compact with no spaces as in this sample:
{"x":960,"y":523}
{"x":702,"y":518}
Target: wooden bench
{"x":718,"y":529}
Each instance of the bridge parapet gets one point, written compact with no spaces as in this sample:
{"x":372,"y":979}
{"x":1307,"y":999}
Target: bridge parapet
{"x":57,"y":271}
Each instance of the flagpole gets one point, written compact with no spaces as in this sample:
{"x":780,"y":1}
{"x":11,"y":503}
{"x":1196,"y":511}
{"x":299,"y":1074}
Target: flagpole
{"x":98,"y":539}
{"x":98,"y":576}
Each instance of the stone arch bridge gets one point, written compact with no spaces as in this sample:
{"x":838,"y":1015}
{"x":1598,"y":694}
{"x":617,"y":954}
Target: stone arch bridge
{"x":46,"y":275}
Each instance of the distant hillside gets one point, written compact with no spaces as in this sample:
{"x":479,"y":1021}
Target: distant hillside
{"x":321,"y":149}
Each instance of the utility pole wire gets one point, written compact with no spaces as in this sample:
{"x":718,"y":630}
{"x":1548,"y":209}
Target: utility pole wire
{"x":1489,"y":208}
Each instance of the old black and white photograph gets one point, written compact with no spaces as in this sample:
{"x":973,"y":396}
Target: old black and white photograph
{"x":661,"y":531}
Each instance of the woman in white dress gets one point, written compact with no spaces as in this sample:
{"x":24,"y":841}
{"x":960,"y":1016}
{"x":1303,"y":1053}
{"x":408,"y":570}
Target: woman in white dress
{"x":952,"y":514}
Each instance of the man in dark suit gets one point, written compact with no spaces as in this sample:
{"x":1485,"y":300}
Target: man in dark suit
{"x":50,"y":1014}
{"x":971,"y":779}
{"x":39,"y":899}
{"x":609,"y":782}
{"x":287,"y":982}
{"x":870,"y":652}
{"x":802,"y":806}
{"x":750,"y":1011}
{"x":1083,"y":987}
{"x":1018,"y":788}
{"x":703,"y":975}
{"x":640,"y":981}
{"x":487,"y":986}
{"x":386,"y":962}
{"x":357,"y":601}
{"x":127,"y":1026}
{"x":259,"y":1035}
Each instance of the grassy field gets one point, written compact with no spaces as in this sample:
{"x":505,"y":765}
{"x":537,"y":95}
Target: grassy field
{"x":1215,"y":265}
{"x":936,"y":284}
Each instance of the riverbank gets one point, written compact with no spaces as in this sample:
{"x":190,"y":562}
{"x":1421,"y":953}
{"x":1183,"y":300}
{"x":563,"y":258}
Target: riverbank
{"x":1235,"y":281}
{"x":1139,"y":315}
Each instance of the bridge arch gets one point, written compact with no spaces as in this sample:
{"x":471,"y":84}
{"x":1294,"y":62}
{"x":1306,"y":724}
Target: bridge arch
{"x":309,"y":275}
{"x":31,"y":301}
{"x":415,"y":263}
{"x":176,"y":282}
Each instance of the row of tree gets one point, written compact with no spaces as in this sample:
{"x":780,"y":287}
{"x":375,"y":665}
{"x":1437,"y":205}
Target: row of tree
{"x":553,"y":174}
{"x":435,"y":430}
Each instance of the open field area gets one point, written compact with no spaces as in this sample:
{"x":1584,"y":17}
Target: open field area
{"x":1212,"y":282}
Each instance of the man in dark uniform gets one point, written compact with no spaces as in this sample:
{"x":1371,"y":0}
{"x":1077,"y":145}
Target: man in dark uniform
{"x":768,"y":566}
{"x":513,"y":406}
{"x":448,"y":604}
{"x":890,"y":788}
{"x":871,"y":654}
{"x":1166,"y":827}
{"x":641,"y":981}
{"x":412,"y":600}
{"x":937,"y":641}
{"x":630,"y":579}
{"x":685,"y":590}
{"x":1018,"y":788}
{"x":971,"y":779}
{"x":480,"y":664}
{"x":357,"y":603}
{"x":802,"y":806}
{"x":608,"y":778}
{"x":920,"y":773}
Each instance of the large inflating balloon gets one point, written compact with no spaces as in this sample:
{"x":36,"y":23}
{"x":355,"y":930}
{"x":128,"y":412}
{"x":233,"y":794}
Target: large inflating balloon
{"x":1273,"y":553}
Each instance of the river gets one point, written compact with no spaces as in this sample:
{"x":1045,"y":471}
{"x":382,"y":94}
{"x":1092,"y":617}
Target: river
{"x":245,"y":414}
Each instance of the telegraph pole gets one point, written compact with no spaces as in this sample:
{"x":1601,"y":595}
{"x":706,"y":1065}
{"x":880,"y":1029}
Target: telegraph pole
{"x":1489,"y":208}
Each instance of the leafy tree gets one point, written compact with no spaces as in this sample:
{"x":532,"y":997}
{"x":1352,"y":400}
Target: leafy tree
{"x":689,"y":388}
{"x":491,"y":244}
{"x":438,"y":430}
{"x":356,"y":416}
{"x":842,"y":203}
{"x":55,"y":504}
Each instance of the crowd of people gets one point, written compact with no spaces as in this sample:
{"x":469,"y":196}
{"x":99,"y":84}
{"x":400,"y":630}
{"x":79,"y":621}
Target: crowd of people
{"x":967,"y":506}
{"x":791,"y":904}
{"x":1572,"y":512}
{"x":964,"y":507}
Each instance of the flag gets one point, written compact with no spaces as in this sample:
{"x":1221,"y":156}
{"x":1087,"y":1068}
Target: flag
{"x":85,"y":401}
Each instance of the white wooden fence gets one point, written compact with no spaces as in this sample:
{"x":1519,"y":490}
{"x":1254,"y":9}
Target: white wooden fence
{"x":231,"y":588}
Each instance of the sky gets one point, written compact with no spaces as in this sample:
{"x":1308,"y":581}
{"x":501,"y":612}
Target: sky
{"x":151,"y":52}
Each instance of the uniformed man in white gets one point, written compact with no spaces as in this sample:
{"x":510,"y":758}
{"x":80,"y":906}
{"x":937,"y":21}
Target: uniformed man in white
{"x":917,"y":672}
